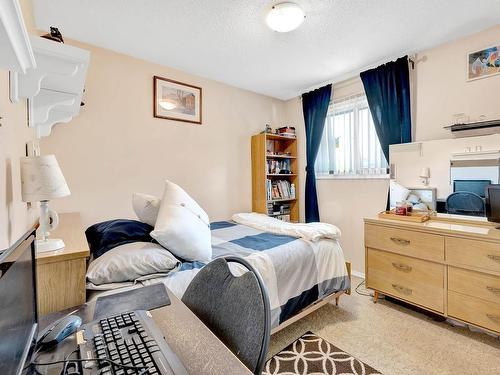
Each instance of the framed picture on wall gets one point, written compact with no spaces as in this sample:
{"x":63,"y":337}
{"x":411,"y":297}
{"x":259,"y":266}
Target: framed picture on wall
{"x":175,"y":100}
{"x":483,"y":63}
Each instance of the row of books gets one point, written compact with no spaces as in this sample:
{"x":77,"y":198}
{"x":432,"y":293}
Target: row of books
{"x":280,"y":208}
{"x":280,"y":189}
{"x":278,"y":166}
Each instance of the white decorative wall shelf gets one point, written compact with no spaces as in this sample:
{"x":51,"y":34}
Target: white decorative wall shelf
{"x":54,"y":88}
{"x":16,"y":53}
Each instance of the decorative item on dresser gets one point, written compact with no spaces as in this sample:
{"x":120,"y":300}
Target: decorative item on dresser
{"x":448,"y":266}
{"x":61,"y":273}
{"x":274,"y":176}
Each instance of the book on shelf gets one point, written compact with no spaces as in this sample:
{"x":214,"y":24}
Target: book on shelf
{"x":279,"y":189}
{"x":287,"y":131}
{"x":278,"y":166}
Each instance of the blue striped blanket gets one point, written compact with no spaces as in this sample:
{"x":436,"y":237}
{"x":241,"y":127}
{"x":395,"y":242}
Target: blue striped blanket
{"x":296,"y":272}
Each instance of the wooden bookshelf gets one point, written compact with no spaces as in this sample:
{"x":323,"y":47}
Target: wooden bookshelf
{"x":273,"y":147}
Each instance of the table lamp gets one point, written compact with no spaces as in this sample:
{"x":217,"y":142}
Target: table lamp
{"x":42,"y":180}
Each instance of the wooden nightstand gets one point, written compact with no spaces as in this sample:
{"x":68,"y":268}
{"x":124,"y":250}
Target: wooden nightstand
{"x":61,"y":273}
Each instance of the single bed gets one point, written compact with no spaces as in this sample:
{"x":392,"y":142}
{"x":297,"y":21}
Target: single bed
{"x":300,"y":275}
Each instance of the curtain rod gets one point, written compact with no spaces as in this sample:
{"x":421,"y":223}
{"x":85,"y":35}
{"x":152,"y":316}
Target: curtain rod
{"x":356,"y":72}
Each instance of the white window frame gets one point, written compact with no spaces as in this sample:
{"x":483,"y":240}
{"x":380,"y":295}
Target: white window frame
{"x":358,"y":103}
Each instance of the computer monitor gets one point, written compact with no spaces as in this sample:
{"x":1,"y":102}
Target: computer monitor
{"x":493,"y":203}
{"x":18,"y":313}
{"x":474,"y":186}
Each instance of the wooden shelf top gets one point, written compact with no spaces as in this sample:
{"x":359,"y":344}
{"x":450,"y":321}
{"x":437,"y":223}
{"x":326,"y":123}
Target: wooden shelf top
{"x":282,"y":200}
{"x":280,"y":137}
{"x":270,"y":156}
{"x":281,"y":174}
{"x":71,"y":231}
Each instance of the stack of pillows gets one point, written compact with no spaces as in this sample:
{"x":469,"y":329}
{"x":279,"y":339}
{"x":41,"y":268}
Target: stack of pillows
{"x":171,"y":228}
{"x":399,"y":193}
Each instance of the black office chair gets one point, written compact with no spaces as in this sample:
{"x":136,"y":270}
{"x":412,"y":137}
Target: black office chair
{"x":465,"y":203}
{"x":235,"y":308}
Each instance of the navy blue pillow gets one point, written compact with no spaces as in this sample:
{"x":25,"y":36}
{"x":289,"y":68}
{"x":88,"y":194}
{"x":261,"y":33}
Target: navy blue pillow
{"x":104,"y":236}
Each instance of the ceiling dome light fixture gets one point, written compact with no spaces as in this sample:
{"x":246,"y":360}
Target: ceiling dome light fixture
{"x":285,"y":17}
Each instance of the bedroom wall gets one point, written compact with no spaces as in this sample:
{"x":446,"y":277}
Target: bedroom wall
{"x":440,"y":90}
{"x":116,"y":147}
{"x":15,"y":217}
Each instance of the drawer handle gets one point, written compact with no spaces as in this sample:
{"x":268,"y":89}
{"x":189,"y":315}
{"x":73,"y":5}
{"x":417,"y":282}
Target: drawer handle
{"x":494,"y":290}
{"x":496,"y":258}
{"x":402,"y":289}
{"x":402,"y":267}
{"x":495,"y":318}
{"x":400,"y":241}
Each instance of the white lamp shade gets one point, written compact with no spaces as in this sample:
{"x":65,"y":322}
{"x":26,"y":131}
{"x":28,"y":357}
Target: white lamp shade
{"x":425,"y":172}
{"x":42,"y":179}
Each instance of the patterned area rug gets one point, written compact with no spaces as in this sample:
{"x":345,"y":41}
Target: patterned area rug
{"x":310,"y":354}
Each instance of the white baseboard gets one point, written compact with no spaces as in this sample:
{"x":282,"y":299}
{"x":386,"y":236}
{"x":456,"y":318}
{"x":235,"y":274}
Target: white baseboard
{"x":358,"y":274}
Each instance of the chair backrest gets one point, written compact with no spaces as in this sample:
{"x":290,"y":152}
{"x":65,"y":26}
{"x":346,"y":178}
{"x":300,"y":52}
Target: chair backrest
{"x":465,"y":203}
{"x":235,"y":308}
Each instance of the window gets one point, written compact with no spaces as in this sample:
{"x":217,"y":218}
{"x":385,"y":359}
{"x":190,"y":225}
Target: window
{"x":350,"y":146}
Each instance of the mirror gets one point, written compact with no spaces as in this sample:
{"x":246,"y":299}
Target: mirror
{"x":447,"y":175}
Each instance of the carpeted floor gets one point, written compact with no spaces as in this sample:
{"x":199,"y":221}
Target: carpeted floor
{"x":396,"y":340}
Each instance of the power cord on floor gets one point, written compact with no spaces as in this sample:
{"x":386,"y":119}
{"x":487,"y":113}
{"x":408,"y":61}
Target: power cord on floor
{"x":366,"y":294}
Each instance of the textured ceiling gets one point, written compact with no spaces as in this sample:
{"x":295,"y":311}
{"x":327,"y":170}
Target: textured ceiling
{"x":228,"y":40}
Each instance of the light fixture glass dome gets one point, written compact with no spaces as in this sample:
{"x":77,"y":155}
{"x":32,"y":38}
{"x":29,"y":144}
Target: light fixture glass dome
{"x":285,"y":17}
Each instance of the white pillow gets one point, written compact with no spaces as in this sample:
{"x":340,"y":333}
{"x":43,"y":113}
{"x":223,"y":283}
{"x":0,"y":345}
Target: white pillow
{"x":130,"y":262}
{"x":398,"y":193}
{"x":146,"y":207}
{"x":182,"y":226}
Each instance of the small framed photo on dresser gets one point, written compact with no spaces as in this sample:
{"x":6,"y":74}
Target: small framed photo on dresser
{"x":175,"y":100}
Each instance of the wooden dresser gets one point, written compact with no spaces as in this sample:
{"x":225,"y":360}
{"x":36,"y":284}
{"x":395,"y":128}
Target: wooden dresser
{"x":447,"y":266}
{"x":61,"y":273}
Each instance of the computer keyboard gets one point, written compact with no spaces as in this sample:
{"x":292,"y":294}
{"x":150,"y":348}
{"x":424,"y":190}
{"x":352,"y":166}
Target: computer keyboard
{"x":131,"y":339}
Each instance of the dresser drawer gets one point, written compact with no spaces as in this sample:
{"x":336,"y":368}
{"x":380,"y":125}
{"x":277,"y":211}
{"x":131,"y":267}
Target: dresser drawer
{"x":406,"y":242}
{"x":474,"y":284}
{"x":474,"y":310}
{"x":473,"y":253}
{"x":413,"y":280}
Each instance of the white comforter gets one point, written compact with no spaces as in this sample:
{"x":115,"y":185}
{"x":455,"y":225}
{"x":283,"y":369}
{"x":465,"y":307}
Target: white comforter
{"x":311,"y":231}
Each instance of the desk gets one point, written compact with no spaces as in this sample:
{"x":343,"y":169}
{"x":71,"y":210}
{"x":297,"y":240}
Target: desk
{"x":196,"y":346}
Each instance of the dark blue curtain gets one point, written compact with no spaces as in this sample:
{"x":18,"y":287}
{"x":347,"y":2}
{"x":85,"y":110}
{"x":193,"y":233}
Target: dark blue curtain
{"x":387,"y":89}
{"x":315,"y":107}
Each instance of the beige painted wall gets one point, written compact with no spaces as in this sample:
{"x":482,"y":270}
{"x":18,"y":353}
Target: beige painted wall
{"x":15,"y":218}
{"x":442,"y":89}
{"x":116,"y":147}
